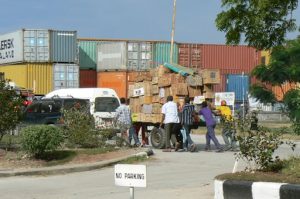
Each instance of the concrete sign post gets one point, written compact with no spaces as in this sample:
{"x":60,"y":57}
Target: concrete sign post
{"x":129,"y":175}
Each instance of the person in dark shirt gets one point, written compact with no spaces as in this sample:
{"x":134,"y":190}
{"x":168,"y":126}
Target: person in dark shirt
{"x":187,"y":115}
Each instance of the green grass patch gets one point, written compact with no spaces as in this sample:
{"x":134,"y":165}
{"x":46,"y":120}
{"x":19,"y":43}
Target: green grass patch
{"x":59,"y":157}
{"x":290,"y":173}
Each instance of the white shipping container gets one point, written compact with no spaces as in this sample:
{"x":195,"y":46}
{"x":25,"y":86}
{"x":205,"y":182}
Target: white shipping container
{"x":65,"y":76}
{"x":111,"y":56}
{"x":11,"y":47}
{"x":36,"y":45}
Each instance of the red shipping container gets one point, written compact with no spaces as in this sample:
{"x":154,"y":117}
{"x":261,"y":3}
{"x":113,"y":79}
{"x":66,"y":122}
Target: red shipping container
{"x":87,"y":78}
{"x":241,"y":58}
{"x":189,"y":55}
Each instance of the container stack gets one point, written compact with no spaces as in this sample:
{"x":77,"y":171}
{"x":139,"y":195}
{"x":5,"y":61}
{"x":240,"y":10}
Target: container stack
{"x":150,"y":91}
{"x":40,"y":59}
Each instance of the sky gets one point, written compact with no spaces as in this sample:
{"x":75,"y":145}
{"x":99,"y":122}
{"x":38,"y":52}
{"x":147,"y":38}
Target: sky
{"x":120,"y":19}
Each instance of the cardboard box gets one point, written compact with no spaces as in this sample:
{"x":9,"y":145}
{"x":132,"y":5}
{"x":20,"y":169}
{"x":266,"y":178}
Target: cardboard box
{"x":179,"y":89}
{"x":164,"y":81}
{"x":194,"y":91}
{"x":155,"y":89}
{"x":135,"y":117}
{"x":209,"y":95}
{"x":145,"y":100}
{"x":156,"y":118}
{"x":161,"y":71}
{"x":211,"y":76}
{"x":156,"y":108}
{"x":154,"y":80}
{"x":194,"y":80}
{"x":143,"y":76}
{"x":130,"y":90}
{"x":155,"y":99}
{"x":147,"y":108}
{"x":207,"y":88}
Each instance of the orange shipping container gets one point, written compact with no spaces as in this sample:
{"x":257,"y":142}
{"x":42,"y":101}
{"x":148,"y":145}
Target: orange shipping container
{"x":113,"y":80}
{"x":279,"y":92}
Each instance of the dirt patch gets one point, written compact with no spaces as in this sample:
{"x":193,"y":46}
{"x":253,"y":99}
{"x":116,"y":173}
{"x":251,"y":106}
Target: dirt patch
{"x":12,"y":160}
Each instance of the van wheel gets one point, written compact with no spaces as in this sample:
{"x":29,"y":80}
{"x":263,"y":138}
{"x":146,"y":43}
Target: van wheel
{"x":158,"y":138}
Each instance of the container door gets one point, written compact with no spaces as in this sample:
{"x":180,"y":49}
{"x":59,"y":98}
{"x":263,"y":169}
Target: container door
{"x":239,"y":84}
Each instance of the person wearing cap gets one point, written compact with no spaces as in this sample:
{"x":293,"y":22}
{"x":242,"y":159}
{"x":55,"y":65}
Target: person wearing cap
{"x":210,"y":122}
{"x":228,"y":132}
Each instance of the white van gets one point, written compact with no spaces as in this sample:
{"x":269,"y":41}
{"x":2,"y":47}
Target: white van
{"x":104,"y":102}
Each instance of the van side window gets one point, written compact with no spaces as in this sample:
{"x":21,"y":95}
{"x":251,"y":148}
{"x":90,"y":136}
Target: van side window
{"x":71,"y":103}
{"x":106,"y":104}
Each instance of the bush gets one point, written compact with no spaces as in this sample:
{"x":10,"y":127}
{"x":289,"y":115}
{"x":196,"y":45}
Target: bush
{"x":39,"y":139}
{"x":79,"y":128}
{"x":259,"y":145}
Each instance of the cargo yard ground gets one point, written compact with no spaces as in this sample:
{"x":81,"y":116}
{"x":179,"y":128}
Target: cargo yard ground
{"x":169,"y":175}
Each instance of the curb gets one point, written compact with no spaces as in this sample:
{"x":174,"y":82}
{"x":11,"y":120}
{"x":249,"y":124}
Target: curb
{"x":64,"y":169}
{"x":235,"y":189}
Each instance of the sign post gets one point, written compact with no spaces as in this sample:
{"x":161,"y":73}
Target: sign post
{"x":130,"y":175}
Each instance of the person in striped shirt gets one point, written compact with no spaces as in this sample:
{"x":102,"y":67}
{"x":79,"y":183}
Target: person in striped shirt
{"x":187,"y":115}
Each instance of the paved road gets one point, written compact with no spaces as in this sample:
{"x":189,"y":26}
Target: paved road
{"x":169,"y":175}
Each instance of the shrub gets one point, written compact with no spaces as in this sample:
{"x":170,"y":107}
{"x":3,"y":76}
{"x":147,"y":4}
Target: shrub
{"x":39,"y":139}
{"x":259,"y":145}
{"x":79,"y":128}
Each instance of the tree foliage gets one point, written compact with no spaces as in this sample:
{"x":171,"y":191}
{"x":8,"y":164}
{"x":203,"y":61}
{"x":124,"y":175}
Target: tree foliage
{"x":263,"y":23}
{"x":10,"y":108}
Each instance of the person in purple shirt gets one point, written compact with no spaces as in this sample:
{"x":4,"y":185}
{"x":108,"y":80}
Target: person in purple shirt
{"x":210,"y":125}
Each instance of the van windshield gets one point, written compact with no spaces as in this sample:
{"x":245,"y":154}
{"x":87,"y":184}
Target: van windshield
{"x":106,"y":104}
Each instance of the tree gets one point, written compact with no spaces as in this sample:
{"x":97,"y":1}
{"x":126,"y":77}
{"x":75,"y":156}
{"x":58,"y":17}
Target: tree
{"x":284,"y":67}
{"x":263,"y":23}
{"x":10,"y":108}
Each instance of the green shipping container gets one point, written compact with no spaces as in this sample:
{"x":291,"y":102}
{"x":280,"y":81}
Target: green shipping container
{"x":87,"y":54}
{"x":162,"y":53}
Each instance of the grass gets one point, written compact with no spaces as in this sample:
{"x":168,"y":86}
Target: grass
{"x":290,"y":173}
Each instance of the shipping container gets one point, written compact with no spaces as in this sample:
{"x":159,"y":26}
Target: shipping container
{"x":265,"y":57}
{"x":279,"y":91}
{"x":239,"y":84}
{"x":189,"y":55}
{"x":162,"y":53}
{"x":38,"y":45}
{"x":139,"y":56}
{"x":65,"y":76}
{"x":87,"y":54}
{"x":63,"y":46}
{"x":38,"y":77}
{"x":113,"y":80}
{"x":242,"y":58}
{"x":111,"y":56}
{"x":87,"y":78}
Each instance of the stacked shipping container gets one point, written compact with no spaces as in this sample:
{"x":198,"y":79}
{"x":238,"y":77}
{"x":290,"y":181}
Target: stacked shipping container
{"x":47,"y":58}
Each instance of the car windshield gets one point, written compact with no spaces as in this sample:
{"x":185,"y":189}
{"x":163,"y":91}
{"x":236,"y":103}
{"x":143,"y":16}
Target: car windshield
{"x":106,"y":104}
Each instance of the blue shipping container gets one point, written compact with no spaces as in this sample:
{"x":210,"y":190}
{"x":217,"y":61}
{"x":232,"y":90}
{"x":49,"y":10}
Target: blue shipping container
{"x":239,"y":84}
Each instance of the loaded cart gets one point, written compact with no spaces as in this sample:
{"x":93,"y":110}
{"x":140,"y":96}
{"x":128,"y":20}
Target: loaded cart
{"x":150,"y":90}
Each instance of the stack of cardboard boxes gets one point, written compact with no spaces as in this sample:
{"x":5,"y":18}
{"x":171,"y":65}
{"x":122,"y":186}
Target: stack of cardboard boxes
{"x":150,"y":91}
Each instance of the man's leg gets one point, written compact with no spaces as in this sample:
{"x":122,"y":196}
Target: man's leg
{"x":212,"y":135}
{"x":168,"y":134}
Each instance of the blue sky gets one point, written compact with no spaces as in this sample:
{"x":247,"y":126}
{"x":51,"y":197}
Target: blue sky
{"x":126,"y":19}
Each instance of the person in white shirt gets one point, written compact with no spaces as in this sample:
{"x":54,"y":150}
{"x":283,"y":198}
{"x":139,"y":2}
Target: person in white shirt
{"x":170,"y":120}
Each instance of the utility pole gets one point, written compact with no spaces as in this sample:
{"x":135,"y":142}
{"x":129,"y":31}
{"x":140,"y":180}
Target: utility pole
{"x":173,"y":31}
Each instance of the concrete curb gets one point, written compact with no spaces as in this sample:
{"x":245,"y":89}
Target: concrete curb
{"x":235,"y":189}
{"x":63,"y":169}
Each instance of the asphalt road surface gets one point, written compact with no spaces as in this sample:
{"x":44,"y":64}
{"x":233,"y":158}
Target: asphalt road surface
{"x":174,"y":175}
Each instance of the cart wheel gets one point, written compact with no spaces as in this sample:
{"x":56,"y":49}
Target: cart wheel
{"x":158,"y":138}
